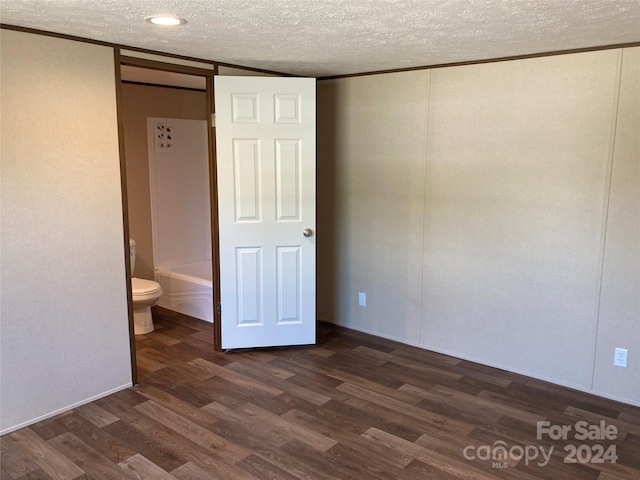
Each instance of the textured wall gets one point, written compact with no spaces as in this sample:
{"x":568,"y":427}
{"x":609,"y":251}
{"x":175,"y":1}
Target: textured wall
{"x":517,"y":155}
{"x":370,"y":196}
{"x":484,"y":237}
{"x":65,"y":333}
{"x":619,"y":320}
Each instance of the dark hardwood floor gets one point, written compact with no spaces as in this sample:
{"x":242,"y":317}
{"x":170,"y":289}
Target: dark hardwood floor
{"x":352,"y":407}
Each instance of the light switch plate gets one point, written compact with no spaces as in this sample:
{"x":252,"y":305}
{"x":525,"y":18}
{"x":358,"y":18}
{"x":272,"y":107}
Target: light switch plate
{"x":362,"y":299}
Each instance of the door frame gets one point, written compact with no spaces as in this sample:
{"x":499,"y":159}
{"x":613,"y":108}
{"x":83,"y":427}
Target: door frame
{"x":120,"y":60}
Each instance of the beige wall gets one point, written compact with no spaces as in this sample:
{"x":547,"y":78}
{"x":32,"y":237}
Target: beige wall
{"x":65,"y":331}
{"x":470,"y":204}
{"x":619,"y":319}
{"x":140,"y":102}
{"x":370,"y":190}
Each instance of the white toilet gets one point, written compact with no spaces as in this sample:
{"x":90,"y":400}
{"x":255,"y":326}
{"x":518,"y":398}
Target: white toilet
{"x":146,"y":294}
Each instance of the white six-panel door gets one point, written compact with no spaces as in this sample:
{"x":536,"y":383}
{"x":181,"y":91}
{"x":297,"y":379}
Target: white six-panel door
{"x":266,"y":161}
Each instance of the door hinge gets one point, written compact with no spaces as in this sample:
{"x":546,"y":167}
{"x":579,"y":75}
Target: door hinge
{"x":219,"y":309}
{"x":213,"y":120}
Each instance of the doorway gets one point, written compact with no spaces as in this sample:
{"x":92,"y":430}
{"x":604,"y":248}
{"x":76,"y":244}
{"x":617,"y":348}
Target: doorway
{"x":271,"y":171}
{"x":151,"y":89}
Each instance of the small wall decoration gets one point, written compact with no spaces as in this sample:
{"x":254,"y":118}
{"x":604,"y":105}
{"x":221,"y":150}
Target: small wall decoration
{"x":164,"y":137}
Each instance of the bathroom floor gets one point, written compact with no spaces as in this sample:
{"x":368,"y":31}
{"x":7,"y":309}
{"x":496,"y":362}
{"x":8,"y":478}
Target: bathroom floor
{"x":352,"y":407}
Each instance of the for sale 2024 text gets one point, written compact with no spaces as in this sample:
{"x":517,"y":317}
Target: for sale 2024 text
{"x":581,"y":431}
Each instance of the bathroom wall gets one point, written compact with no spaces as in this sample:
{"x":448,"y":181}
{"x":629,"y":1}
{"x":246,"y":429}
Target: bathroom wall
{"x":489,"y":212}
{"x":180,"y":200}
{"x":140,"y":102}
{"x":63,"y":298}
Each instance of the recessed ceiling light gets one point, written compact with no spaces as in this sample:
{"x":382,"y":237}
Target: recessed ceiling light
{"x":166,"y":20}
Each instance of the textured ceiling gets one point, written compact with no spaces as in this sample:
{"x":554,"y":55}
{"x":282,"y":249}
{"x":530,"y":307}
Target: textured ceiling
{"x":333,"y":37}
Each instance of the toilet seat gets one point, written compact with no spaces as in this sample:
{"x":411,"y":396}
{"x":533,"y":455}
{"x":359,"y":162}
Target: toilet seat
{"x":144,"y":289}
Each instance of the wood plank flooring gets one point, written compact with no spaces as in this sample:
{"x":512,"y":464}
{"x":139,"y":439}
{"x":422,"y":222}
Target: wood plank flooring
{"x":351,"y":407}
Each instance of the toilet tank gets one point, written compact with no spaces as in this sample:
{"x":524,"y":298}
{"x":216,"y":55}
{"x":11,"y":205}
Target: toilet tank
{"x":132,"y":254}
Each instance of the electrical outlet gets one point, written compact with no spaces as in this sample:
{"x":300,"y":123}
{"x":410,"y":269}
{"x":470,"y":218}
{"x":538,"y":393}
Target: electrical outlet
{"x":362,"y":299}
{"x":620,"y":357}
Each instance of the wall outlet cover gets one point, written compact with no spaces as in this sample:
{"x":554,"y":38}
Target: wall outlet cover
{"x":620,"y":357}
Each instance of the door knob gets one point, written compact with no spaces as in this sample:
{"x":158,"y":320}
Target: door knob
{"x":307,"y":232}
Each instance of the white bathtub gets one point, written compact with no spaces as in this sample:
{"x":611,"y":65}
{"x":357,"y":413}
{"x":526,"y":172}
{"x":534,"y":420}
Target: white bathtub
{"x":187,"y":288}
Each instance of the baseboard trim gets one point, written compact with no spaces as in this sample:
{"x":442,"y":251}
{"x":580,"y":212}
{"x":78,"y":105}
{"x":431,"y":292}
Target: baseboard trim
{"x":64,"y":409}
{"x":469,"y":358}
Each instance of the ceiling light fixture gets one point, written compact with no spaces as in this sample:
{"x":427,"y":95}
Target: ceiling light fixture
{"x":166,"y":20}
